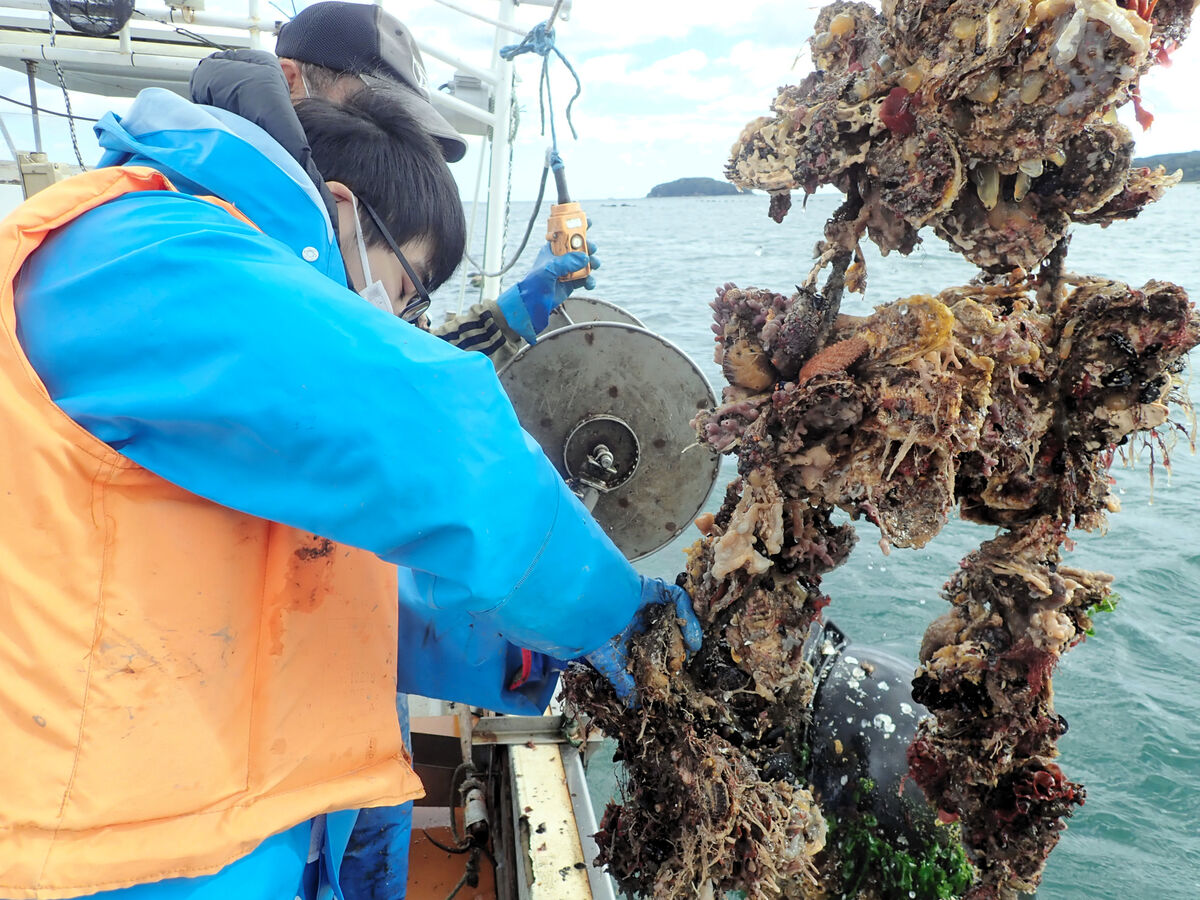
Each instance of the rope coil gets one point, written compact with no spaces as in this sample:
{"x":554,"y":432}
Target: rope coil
{"x":540,"y":40}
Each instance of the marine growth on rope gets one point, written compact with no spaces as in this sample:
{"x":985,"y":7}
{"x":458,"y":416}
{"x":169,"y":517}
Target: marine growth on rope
{"x":1002,"y":401}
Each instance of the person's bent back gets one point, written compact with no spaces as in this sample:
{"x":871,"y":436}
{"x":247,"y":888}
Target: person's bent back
{"x":215,"y":454}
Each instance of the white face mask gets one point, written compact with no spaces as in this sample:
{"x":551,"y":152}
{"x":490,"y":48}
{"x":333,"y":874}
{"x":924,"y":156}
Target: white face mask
{"x":374,"y":293}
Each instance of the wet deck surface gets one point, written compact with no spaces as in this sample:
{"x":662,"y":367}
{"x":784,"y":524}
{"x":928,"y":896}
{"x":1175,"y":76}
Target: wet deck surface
{"x":433,"y":873}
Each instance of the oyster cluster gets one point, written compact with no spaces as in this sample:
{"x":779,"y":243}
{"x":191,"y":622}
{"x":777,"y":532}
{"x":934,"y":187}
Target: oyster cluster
{"x":990,"y":122}
{"x":1004,"y":400}
{"x":716,"y":796}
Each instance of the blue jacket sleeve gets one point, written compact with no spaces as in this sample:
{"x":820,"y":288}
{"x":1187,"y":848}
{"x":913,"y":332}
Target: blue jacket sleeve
{"x":210,"y":354}
{"x":451,"y":656}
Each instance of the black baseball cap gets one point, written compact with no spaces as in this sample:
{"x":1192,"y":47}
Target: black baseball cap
{"x":363,"y":39}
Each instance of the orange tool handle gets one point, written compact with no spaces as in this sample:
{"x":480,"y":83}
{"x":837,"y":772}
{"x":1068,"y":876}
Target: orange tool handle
{"x":566,"y":230}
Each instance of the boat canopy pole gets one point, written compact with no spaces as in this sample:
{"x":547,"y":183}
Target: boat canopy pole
{"x":493,"y":248}
{"x":179,"y":15}
{"x":499,"y":183}
{"x":501,"y":24}
{"x":31,"y":70}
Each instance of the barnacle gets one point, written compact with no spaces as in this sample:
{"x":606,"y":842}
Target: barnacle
{"x":747,"y":365}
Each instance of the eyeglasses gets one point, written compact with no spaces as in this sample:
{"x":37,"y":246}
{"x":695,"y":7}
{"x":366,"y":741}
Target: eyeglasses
{"x":416,"y":307}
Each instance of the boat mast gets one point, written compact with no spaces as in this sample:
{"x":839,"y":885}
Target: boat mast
{"x":493,"y":249}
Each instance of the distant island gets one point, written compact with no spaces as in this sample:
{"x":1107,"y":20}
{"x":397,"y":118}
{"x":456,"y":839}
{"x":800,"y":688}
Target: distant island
{"x":695,"y":187}
{"x":1189,"y":162}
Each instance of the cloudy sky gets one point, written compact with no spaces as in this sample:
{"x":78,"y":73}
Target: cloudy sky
{"x":667,"y":86}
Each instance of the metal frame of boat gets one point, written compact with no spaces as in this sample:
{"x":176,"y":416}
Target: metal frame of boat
{"x":537,"y":803}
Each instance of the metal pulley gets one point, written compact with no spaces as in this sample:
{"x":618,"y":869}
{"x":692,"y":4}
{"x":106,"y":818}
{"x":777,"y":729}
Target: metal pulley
{"x":610,"y":404}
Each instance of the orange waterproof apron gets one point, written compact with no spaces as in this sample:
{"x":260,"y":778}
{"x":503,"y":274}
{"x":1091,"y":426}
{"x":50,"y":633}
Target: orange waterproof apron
{"x":178,"y":681}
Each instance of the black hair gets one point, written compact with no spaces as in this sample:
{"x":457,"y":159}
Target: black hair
{"x":320,"y":79}
{"x":372,"y":144}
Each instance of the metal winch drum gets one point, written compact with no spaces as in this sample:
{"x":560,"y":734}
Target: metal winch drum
{"x":576,"y":310}
{"x":610,"y":403}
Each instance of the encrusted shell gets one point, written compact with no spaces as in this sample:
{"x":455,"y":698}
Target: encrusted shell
{"x":747,"y":365}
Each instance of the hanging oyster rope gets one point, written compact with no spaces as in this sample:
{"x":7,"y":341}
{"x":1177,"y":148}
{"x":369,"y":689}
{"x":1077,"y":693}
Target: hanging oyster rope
{"x":1005,"y":399}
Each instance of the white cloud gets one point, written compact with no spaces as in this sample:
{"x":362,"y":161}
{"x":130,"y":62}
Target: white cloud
{"x":621,"y":23}
{"x":668,"y":85}
{"x":1168,"y":93}
{"x":629,"y":70}
{"x":687,"y":75}
{"x":691,"y":127}
{"x":608,"y":68}
{"x":769,"y":64}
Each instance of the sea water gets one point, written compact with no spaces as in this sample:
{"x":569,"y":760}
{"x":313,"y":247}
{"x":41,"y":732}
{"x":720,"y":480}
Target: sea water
{"x":1130,"y":693}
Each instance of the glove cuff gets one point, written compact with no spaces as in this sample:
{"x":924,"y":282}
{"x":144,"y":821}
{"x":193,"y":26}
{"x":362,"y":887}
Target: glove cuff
{"x":512,"y":307}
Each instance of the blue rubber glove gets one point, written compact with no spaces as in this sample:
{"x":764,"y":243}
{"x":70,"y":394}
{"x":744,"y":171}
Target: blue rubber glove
{"x":528,"y":303}
{"x":612,"y":659}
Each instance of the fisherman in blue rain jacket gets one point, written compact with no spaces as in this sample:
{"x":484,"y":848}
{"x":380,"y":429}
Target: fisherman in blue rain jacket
{"x":332,"y":49}
{"x":232,"y":361}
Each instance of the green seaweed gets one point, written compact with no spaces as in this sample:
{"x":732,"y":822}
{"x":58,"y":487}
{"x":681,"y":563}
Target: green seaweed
{"x":868,"y":859}
{"x":1108,"y":603}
